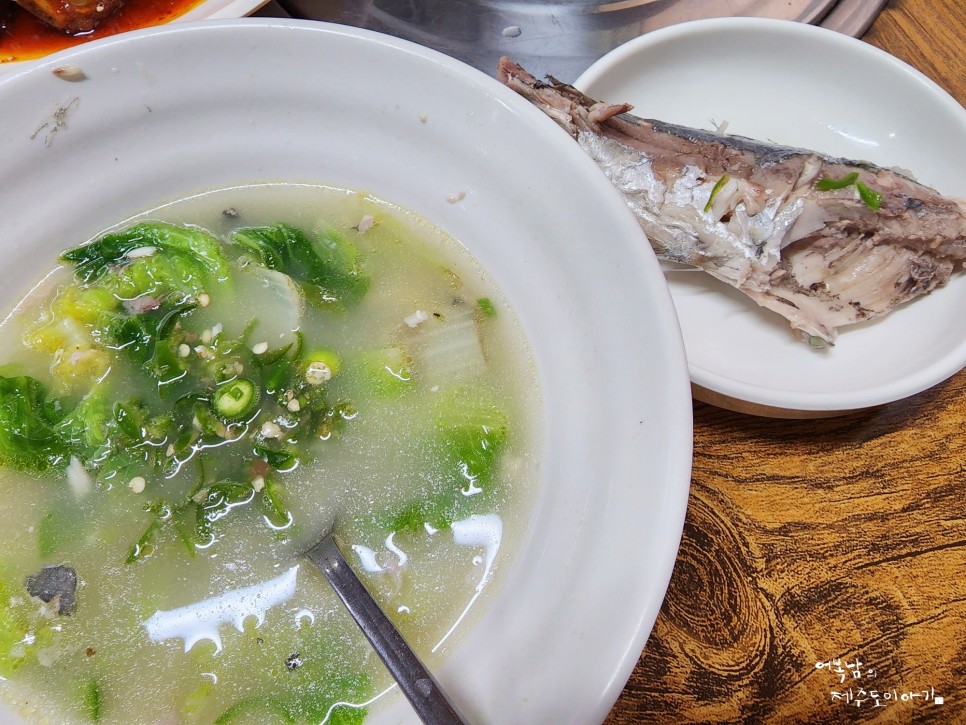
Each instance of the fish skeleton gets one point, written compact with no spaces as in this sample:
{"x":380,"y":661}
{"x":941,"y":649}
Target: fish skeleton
{"x":824,"y":242}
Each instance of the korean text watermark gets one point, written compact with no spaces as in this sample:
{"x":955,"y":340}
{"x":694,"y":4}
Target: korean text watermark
{"x":854,"y":686}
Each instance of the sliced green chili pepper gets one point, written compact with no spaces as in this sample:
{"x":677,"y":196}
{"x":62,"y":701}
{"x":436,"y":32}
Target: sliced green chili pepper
{"x":714,"y":192}
{"x":872,"y":199}
{"x":831,"y":184}
{"x":236,"y":399}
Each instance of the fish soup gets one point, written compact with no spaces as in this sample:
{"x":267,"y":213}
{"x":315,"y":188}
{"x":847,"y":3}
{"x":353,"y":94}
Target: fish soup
{"x":191,"y":399}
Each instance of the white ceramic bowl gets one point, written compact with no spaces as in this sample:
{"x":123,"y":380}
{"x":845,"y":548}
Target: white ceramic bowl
{"x":169,"y":111}
{"x":804,"y":86}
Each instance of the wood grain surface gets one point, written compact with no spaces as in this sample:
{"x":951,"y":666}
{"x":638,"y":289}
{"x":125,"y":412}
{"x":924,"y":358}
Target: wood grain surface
{"x":840,"y":540}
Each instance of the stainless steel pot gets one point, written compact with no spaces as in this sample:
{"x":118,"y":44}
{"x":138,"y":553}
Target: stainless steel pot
{"x":561,"y":38}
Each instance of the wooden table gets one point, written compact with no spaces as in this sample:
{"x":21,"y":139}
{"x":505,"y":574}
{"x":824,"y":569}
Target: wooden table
{"x":837,"y":541}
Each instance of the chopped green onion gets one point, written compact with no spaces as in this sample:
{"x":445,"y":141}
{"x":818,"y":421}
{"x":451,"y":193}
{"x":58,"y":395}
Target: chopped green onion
{"x":830,"y":184}
{"x":273,"y":503}
{"x":93,"y":701}
{"x":714,"y":192}
{"x":216,"y":502}
{"x":145,"y":545}
{"x":236,"y":399}
{"x":486,"y":307}
{"x":872,"y":199}
{"x":282,"y":459}
{"x":299,"y":345}
{"x":270,"y":357}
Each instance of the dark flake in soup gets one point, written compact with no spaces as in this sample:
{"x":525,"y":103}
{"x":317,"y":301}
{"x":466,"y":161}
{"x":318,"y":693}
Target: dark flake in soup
{"x":191,"y":398}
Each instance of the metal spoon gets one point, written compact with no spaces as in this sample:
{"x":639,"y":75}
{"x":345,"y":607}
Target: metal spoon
{"x":418,"y":685}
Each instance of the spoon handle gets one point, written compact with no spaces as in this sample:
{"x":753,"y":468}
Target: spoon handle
{"x":416,"y":682}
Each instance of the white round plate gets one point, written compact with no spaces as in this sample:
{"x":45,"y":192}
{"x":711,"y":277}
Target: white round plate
{"x":169,"y":111}
{"x":800,"y":85}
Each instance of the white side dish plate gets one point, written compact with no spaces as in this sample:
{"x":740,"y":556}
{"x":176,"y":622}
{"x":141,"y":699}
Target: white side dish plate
{"x":804,"y":86}
{"x":169,"y":111}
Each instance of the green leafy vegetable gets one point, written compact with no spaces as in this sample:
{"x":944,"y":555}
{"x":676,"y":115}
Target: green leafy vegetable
{"x":384,"y":373}
{"x":129,"y":286}
{"x":265,"y":709}
{"x":470,"y":436}
{"x":131,"y":418}
{"x":87,"y":305}
{"x":110,"y":438}
{"x":29,"y":441}
{"x":328,"y":268}
{"x":473,"y":428}
{"x":329,"y":701}
{"x":95,"y":259}
{"x":195,"y":702}
{"x":335,"y":699}
{"x":84,"y":431}
{"x":25,"y":629}
{"x":13,"y":627}
{"x":145,"y":339}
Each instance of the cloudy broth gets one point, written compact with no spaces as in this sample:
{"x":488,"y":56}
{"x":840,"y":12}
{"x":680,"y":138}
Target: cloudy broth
{"x":198,"y":416}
